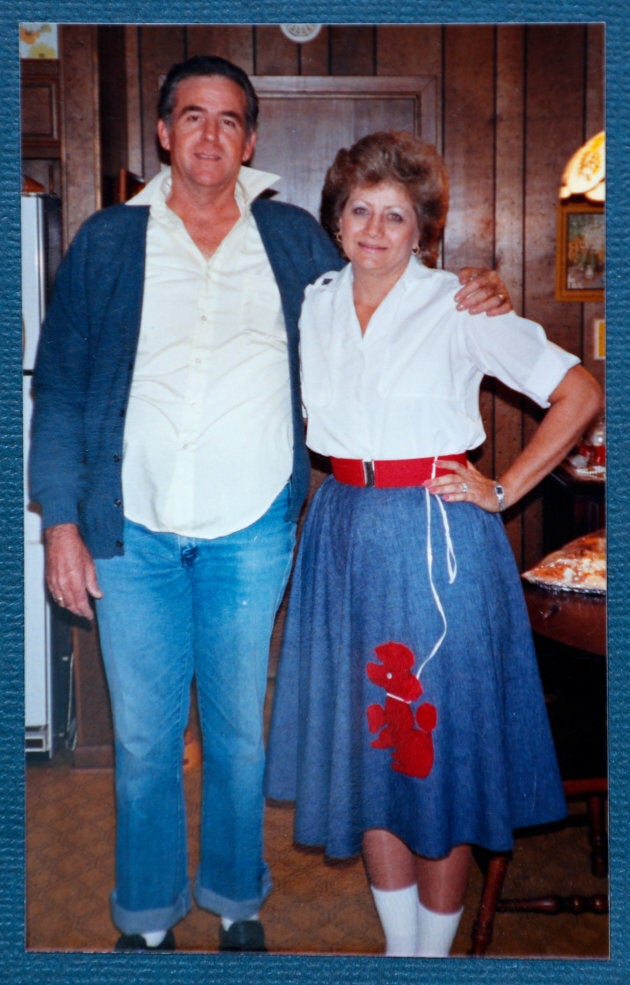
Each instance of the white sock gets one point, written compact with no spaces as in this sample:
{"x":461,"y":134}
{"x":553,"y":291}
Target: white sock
{"x":436,"y":932}
{"x":226,"y":923}
{"x":154,"y":937}
{"x":397,"y":911}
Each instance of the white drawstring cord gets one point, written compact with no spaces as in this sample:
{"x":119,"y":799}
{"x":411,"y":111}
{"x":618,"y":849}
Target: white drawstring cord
{"x":451,"y":563}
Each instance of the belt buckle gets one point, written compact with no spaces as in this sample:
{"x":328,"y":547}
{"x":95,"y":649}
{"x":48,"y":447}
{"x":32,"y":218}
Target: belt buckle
{"x":368,"y":471}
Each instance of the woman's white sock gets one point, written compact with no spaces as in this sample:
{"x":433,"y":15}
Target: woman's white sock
{"x":397,"y":911}
{"x":436,"y":932}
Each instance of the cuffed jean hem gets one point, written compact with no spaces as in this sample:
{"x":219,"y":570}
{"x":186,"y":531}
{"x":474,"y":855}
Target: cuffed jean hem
{"x":230,"y":908}
{"x":145,"y":921}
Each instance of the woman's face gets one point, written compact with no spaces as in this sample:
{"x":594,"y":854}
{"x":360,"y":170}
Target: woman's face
{"x":378,"y":228}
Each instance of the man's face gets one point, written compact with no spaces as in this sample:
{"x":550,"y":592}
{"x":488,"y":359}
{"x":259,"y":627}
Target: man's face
{"x":206,"y":137}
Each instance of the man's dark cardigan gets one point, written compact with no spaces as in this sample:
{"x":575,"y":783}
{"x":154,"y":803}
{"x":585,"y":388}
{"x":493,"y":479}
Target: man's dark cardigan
{"x":86,"y":358}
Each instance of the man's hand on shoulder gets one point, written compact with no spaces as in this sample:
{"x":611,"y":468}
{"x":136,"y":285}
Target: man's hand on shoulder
{"x":483,"y":290}
{"x":70,"y":571}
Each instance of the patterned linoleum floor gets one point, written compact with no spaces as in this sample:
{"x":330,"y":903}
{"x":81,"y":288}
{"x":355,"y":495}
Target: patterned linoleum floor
{"x":316,"y":907}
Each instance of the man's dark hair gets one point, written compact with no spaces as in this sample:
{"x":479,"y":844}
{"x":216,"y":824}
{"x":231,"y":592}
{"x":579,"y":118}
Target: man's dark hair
{"x":207,"y":65}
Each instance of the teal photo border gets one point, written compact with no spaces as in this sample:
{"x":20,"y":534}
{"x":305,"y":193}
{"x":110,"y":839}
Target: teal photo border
{"x":19,"y":967}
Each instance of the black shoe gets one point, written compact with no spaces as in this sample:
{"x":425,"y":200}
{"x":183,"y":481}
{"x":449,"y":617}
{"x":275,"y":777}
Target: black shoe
{"x":243,"y":935}
{"x":136,"y":942}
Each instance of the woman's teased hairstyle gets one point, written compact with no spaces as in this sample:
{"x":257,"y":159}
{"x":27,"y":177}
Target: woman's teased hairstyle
{"x":397,"y":157}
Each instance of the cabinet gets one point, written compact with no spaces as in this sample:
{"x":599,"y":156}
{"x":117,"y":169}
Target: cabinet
{"x":40,"y":118}
{"x":61,"y":146}
{"x":40,"y":109}
{"x":94,"y":732}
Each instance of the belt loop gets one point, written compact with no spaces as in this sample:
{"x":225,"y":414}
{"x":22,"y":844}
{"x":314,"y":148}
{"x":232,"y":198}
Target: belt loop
{"x":368,"y":468}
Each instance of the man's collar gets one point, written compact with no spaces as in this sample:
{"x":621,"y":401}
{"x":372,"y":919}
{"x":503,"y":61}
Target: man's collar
{"x":250,"y":184}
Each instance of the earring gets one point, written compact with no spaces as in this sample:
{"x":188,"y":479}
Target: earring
{"x":338,"y":236}
{"x":416,"y":250}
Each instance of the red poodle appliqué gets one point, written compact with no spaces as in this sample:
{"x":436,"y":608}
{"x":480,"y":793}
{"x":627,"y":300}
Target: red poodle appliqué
{"x":412,"y":748}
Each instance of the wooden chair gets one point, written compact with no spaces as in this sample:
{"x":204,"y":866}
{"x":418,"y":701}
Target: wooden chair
{"x":594,"y":793}
{"x":577,"y":623}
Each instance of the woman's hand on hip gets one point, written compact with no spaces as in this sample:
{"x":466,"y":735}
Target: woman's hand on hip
{"x":464,"y":484}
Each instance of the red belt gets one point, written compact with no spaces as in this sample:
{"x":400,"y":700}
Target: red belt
{"x":388,"y":474}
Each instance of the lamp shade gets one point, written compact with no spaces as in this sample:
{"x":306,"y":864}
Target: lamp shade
{"x":585,"y":172}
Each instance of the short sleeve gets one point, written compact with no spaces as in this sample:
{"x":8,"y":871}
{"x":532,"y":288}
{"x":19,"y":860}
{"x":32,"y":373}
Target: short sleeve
{"x":517,"y":351}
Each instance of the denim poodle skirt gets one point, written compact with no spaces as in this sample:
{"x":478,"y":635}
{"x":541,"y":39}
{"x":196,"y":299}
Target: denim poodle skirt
{"x":408,"y":696}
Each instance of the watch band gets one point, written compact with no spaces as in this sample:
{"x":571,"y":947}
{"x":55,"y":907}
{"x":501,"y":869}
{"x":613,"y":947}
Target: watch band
{"x":499,"y":492}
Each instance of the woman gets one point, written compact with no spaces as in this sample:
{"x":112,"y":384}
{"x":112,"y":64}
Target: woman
{"x":409,"y":721}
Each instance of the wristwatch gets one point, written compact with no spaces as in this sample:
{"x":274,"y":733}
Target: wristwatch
{"x":499,"y":492}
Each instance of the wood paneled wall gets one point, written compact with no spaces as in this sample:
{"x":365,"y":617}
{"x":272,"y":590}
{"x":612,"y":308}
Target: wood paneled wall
{"x":514,"y":102}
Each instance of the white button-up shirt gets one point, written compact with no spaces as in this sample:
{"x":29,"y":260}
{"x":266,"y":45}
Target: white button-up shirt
{"x":208,"y":437}
{"x":409,"y":387}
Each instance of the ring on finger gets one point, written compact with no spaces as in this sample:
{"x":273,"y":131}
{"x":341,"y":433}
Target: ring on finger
{"x":464,"y":487}
{"x":500,"y":298}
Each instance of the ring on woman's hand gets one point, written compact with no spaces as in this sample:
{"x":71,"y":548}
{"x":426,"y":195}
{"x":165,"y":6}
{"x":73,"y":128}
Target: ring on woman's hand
{"x":59,"y":600}
{"x":500,"y":298}
{"x":464,"y":487}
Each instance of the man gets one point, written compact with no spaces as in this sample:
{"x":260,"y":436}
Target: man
{"x":168,"y":456}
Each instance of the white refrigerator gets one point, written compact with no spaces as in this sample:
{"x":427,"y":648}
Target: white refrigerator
{"x":41,"y":252}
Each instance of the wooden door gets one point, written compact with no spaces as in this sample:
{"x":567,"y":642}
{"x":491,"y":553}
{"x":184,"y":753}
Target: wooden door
{"x":305,"y":120}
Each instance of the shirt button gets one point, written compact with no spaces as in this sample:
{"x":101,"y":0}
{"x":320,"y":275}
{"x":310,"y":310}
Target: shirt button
{"x":118,"y":502}
{"x":119,"y":543}
{"x":116,"y":458}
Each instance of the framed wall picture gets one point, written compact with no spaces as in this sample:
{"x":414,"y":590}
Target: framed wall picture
{"x":580,"y":252}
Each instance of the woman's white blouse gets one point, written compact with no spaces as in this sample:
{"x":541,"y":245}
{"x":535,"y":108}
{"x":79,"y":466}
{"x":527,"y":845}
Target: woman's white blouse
{"x":409,"y":387}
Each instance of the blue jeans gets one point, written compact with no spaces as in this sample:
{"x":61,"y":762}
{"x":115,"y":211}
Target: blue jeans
{"x":173,"y":608}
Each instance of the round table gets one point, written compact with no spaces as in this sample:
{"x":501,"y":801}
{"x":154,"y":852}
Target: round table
{"x":577,"y":619}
